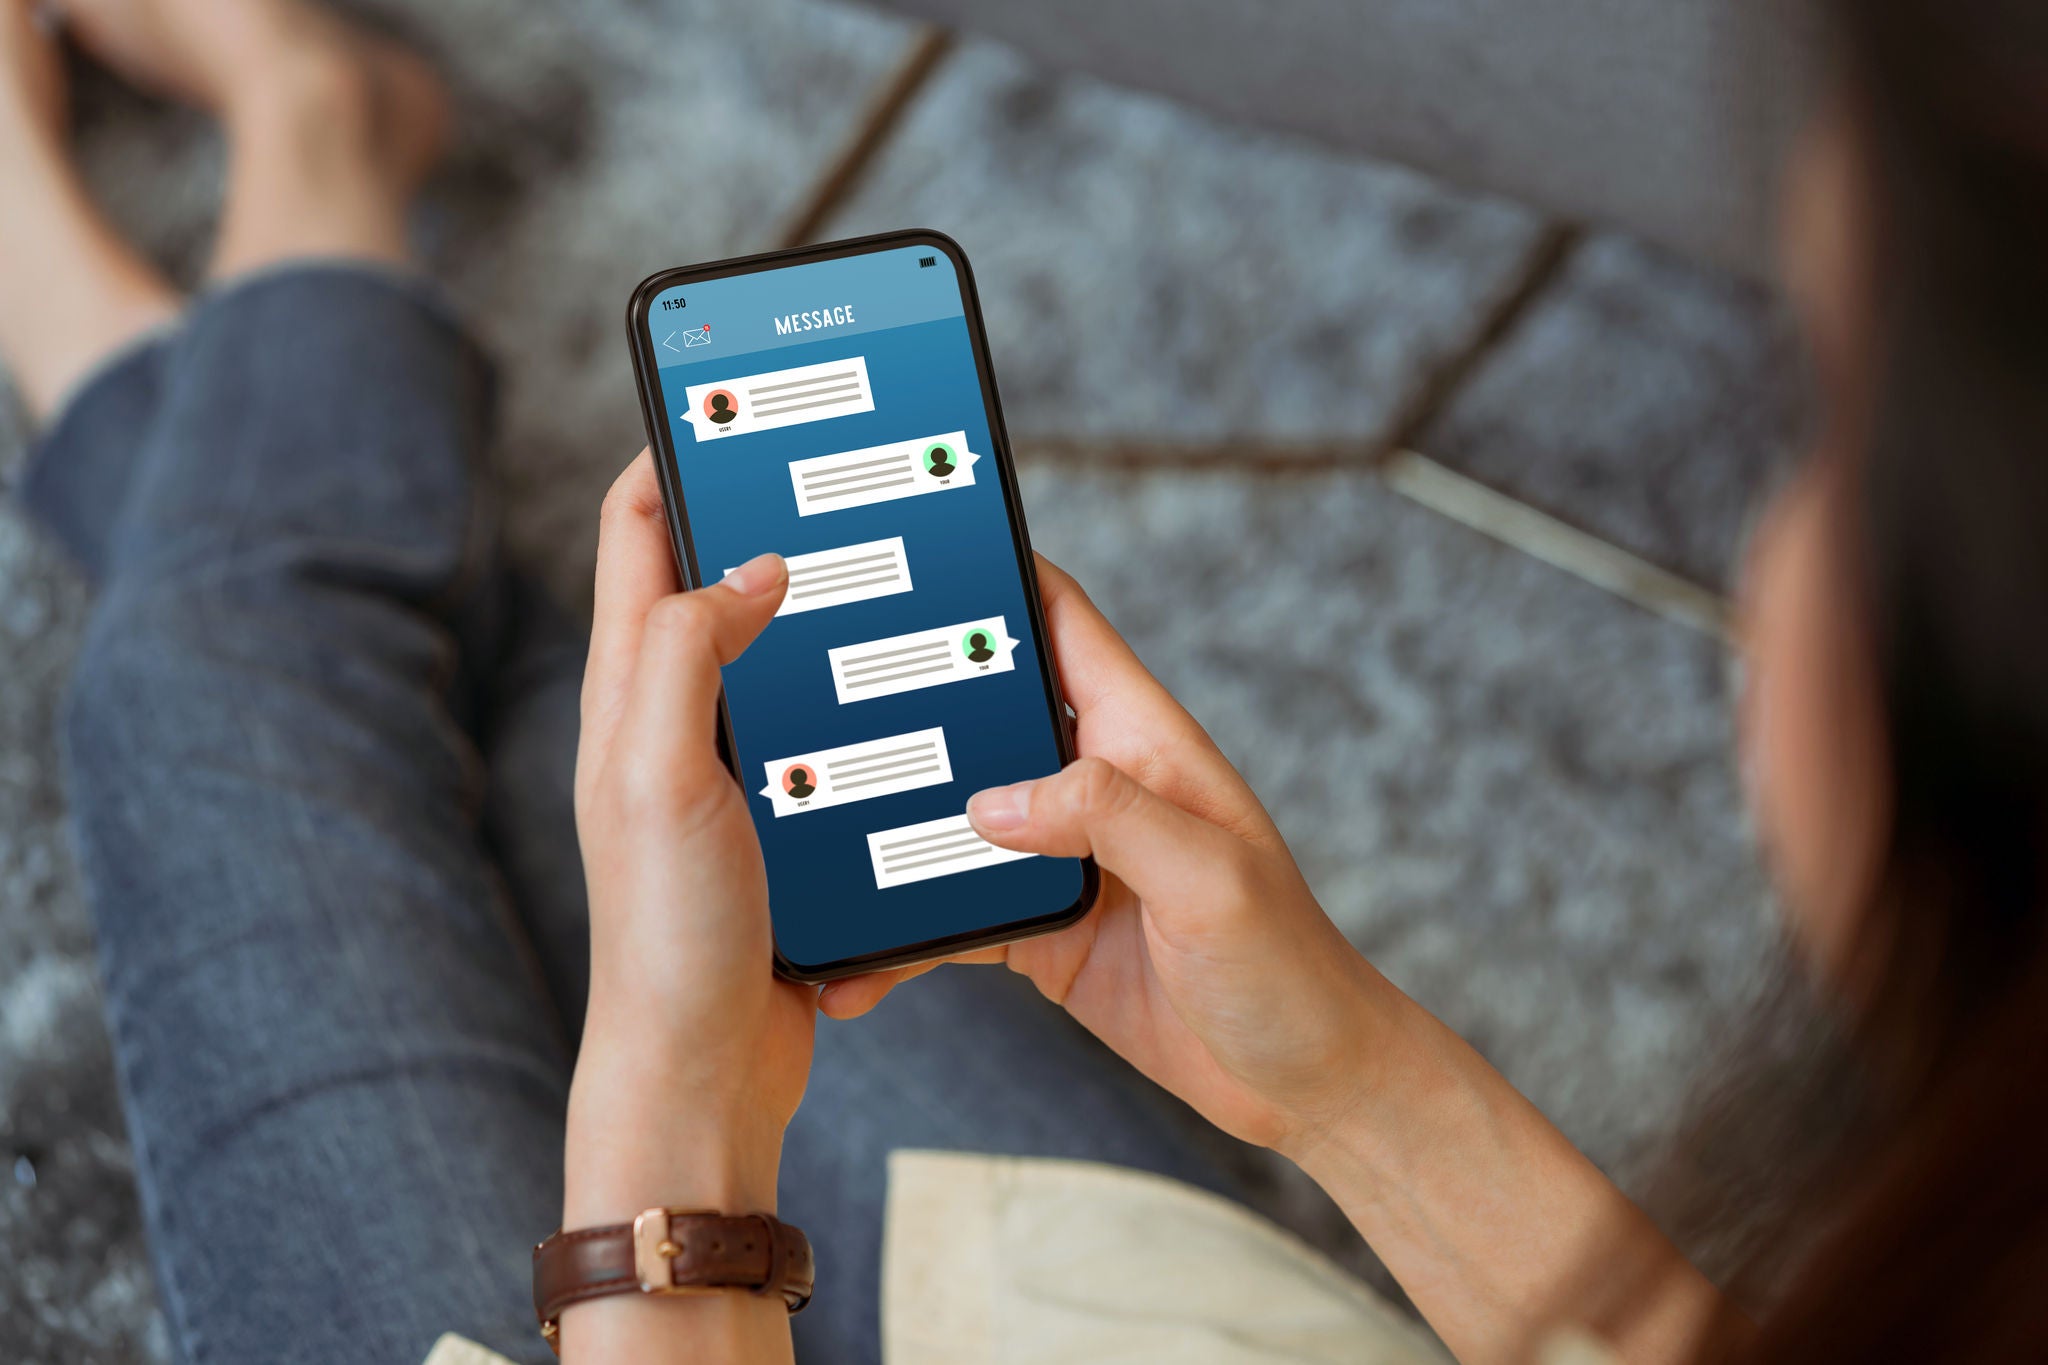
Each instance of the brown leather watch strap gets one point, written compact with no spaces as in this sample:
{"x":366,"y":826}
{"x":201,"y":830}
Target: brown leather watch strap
{"x":671,"y":1251}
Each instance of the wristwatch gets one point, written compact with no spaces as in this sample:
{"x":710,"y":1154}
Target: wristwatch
{"x":671,"y":1251}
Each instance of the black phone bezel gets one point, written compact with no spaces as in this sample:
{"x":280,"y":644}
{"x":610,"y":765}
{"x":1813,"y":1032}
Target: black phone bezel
{"x":647,"y":372}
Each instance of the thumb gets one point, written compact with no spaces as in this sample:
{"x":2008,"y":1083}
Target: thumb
{"x":1094,"y":809}
{"x":686,"y":639}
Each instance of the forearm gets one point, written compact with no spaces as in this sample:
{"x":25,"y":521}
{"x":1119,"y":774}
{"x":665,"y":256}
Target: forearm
{"x":1492,"y":1221}
{"x":635,"y":1142}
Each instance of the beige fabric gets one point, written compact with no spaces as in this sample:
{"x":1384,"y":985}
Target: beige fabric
{"x":454,"y":1350}
{"x":1572,"y":1347}
{"x":1018,"y":1261}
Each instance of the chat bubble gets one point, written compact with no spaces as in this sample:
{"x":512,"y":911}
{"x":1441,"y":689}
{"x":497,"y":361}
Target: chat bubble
{"x":901,"y":469}
{"x":923,"y":658}
{"x":857,"y":772}
{"x":852,"y":573}
{"x":936,"y":848}
{"x":778,"y":398}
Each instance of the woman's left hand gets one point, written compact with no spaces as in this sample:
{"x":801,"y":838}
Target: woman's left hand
{"x":694,"y":1053}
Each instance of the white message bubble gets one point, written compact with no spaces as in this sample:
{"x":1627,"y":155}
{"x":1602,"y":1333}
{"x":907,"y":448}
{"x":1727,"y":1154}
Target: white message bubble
{"x":901,"y":469}
{"x":856,"y":772}
{"x":923,"y":658}
{"x":852,"y":573}
{"x":936,"y":848}
{"x":778,"y":398}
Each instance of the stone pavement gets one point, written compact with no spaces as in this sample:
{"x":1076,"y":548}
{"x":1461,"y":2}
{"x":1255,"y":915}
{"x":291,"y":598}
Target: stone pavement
{"x":1511,"y":786}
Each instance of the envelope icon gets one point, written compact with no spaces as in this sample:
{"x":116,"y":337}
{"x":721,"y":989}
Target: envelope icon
{"x":700,"y":337}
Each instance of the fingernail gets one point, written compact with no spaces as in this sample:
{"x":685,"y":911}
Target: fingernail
{"x":762,"y":573}
{"x":1001,"y":807}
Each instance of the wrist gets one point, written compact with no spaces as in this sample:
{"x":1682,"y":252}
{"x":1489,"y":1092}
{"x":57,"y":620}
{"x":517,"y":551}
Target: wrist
{"x":642,"y":1136}
{"x":1422,"y":1088}
{"x":614,"y":1178}
{"x":1357,"y":1066}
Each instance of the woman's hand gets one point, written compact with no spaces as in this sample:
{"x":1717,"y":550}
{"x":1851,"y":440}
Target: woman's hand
{"x":1210,"y":967}
{"x":694,"y":1053}
{"x":1207,"y":962}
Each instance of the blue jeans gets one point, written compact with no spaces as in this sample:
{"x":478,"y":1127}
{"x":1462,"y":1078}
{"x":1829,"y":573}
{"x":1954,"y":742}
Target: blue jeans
{"x":319,"y":746}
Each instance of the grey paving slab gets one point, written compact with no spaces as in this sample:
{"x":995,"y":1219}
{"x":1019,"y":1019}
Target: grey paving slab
{"x":1643,"y":399}
{"x":1148,"y":271}
{"x":1514,"y":791}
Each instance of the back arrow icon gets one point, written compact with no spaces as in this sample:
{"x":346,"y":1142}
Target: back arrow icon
{"x":670,"y":342}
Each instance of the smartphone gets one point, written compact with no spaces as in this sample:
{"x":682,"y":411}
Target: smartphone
{"x":836,"y":404}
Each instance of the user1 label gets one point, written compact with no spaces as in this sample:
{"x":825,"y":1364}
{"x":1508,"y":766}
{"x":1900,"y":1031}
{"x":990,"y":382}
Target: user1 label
{"x":858,"y":772}
{"x":778,"y":398}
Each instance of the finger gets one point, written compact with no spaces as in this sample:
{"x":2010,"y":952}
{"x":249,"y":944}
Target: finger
{"x":1094,"y":809}
{"x":856,"y":995}
{"x":1129,"y":717}
{"x":636,"y":568}
{"x":1096,"y":665}
{"x":853,"y":996}
{"x":672,"y":702}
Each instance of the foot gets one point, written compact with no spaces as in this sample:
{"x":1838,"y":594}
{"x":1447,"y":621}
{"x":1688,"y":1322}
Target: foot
{"x":31,"y":82}
{"x":71,"y":291}
{"x":256,"y":61}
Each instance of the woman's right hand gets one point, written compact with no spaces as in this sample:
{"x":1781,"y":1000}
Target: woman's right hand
{"x":1206,"y":963}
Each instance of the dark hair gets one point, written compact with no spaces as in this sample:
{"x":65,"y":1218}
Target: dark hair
{"x":1938,"y":1244}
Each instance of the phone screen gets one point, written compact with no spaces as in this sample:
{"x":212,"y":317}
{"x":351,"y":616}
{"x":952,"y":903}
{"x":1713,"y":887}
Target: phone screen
{"x":837,"y":411}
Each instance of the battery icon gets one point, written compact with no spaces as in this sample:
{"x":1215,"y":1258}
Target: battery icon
{"x":927,"y":262}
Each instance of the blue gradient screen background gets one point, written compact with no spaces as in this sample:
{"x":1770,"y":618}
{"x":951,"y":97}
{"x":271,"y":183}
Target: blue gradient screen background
{"x":911,"y":327}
